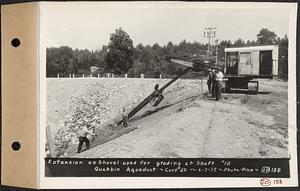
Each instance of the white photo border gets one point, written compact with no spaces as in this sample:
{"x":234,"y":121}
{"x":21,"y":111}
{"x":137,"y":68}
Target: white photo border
{"x":171,"y":182}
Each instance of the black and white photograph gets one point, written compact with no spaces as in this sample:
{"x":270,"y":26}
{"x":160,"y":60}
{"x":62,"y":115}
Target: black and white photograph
{"x":167,"y":80}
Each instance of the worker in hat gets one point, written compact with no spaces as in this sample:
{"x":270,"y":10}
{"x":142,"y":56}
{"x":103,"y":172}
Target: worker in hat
{"x":84,"y":139}
{"x":218,"y":85}
{"x":124,"y":118}
{"x":213,"y":83}
{"x":209,"y":80}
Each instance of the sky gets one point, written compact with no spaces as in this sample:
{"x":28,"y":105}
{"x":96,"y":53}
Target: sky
{"x":88,"y":25}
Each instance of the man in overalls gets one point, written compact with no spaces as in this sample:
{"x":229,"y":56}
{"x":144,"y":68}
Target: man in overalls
{"x":209,"y":80}
{"x":213,"y":84}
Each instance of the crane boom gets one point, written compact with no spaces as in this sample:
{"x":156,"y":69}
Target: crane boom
{"x":153,"y":95}
{"x":197,"y":65}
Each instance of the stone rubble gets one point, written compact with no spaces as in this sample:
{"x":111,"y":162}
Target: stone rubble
{"x":101,"y":105}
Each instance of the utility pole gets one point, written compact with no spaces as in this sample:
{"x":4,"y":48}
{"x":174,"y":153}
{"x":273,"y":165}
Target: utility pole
{"x":210,"y":33}
{"x":217,"y":47}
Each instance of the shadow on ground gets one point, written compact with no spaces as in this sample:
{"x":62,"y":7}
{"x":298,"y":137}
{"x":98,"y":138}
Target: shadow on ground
{"x":246,"y":92}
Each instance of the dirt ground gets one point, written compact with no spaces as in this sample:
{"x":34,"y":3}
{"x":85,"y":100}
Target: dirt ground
{"x":188,"y":123}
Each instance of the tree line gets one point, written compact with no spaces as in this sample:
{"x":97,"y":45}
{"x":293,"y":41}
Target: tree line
{"x":120,"y":56}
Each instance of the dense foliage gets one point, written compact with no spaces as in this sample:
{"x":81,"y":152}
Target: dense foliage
{"x":120,"y":56}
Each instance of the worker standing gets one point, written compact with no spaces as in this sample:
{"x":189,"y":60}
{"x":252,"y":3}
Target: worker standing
{"x":218,"y":85}
{"x":213,"y":84}
{"x":157,"y":96}
{"x":124,"y":118}
{"x":83,"y":138}
{"x":209,"y":80}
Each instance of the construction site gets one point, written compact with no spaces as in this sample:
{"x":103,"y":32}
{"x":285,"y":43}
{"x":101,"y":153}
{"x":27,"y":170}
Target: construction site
{"x":152,"y":101}
{"x":250,"y":121}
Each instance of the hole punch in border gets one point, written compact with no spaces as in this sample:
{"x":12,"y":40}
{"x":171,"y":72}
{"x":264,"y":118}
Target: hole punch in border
{"x":16,"y":146}
{"x":15,"y":42}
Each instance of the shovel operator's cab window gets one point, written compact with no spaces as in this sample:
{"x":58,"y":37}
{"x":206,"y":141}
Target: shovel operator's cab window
{"x":258,"y":61}
{"x":265,"y":59}
{"x":245,"y":63}
{"x":232,"y":63}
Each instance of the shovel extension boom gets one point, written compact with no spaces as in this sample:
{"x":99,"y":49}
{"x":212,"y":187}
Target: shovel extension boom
{"x":153,"y":95}
{"x":196,"y":65}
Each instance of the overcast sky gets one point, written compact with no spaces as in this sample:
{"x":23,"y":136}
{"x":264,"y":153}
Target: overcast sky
{"x":89,"y":25}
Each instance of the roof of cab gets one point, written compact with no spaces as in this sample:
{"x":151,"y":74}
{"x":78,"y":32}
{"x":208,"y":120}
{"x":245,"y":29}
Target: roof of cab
{"x":251,"y":48}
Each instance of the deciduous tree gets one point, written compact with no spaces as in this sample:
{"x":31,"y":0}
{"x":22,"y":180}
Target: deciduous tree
{"x":119,"y":58}
{"x":266,"y":37}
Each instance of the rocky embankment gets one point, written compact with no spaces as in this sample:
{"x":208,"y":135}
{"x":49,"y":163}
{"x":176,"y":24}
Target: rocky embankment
{"x":95,"y":103}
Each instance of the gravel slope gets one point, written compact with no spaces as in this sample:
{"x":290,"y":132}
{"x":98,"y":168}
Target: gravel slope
{"x":96,"y":103}
{"x":241,"y":125}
